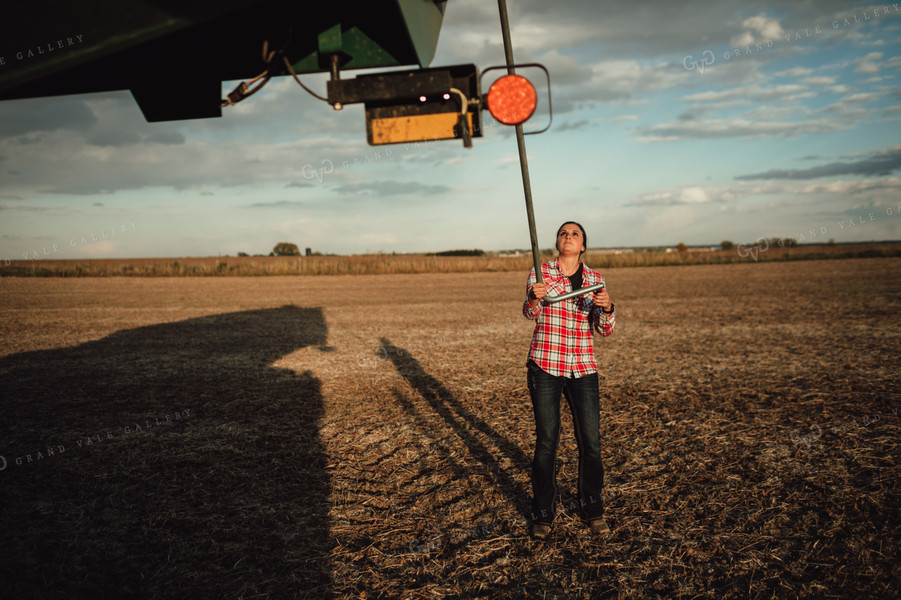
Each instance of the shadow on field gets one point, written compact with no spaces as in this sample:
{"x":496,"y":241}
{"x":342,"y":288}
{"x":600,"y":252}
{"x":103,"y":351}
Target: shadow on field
{"x":465,"y":424}
{"x":168,"y":461}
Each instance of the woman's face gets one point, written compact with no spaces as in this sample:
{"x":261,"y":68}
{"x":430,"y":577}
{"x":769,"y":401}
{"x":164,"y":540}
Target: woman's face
{"x":569,"y":240}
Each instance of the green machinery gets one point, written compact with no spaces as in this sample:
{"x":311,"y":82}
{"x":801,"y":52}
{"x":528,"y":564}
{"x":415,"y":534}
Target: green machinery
{"x":174,"y":54}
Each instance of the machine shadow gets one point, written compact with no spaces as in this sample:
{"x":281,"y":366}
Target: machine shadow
{"x":167,"y":461}
{"x":466,"y":425}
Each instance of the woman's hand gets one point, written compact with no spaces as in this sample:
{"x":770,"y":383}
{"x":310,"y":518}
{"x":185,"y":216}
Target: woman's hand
{"x":539,"y":291}
{"x":602,"y":299}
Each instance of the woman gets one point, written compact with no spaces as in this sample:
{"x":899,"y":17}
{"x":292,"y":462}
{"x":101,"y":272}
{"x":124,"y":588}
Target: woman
{"x":561,"y":359}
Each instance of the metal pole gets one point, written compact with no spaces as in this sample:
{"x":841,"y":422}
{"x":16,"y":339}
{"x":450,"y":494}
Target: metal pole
{"x":521,"y":144}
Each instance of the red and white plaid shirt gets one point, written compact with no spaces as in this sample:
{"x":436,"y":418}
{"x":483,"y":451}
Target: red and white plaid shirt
{"x":561,"y":344}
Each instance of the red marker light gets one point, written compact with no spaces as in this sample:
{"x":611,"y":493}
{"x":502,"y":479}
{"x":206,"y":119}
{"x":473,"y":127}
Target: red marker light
{"x":512,"y":99}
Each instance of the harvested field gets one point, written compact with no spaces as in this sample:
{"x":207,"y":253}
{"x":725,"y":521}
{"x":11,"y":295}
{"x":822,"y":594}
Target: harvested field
{"x":370,"y":437}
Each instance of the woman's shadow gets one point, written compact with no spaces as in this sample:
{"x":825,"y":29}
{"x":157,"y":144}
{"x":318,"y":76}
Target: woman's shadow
{"x":167,"y":461}
{"x":468,"y":426}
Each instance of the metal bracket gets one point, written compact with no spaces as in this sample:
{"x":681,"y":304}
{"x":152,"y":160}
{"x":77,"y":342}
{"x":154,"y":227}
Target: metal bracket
{"x":385,"y":87}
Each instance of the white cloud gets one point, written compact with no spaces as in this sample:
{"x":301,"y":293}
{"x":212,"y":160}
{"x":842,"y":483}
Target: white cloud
{"x":769,"y":112}
{"x":101,"y":249}
{"x":691,"y":194}
{"x":861,"y":98}
{"x":748,"y":93}
{"x":794,"y":72}
{"x":818,"y":81}
{"x":868,"y":63}
{"x":892,"y":185}
{"x":880,"y":191}
{"x":627,"y":81}
{"x":759,"y":28}
{"x":565,"y":70}
{"x":739,"y":128}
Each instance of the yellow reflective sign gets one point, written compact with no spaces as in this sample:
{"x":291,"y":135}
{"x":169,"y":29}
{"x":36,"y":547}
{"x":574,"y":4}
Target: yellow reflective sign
{"x":415,"y":128}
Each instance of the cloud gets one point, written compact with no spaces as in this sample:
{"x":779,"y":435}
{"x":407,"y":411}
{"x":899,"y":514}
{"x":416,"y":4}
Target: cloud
{"x":26,"y":140}
{"x":864,"y":97}
{"x":105,"y":163}
{"x":868,"y":64}
{"x":878,"y":190}
{"x":35,"y":209}
{"x":391,"y":188}
{"x":280,"y":204}
{"x":759,"y":28}
{"x":99,"y":249}
{"x":166,"y":138}
{"x":113,"y":138}
{"x":852,"y":188}
{"x":632,"y":29}
{"x":565,"y":70}
{"x":45,"y":114}
{"x":299,"y":184}
{"x":619,"y":81}
{"x":740,"y":128}
{"x":748,"y":94}
{"x":573,"y":125}
{"x":768,"y":112}
{"x":625,"y":79}
{"x":882,"y":163}
{"x":681,"y":196}
{"x":846,"y":112}
{"x":642,"y":45}
{"x":818,"y":81}
{"x":794,"y":72}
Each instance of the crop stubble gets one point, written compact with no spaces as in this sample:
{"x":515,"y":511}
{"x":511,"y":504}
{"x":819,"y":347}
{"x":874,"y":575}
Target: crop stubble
{"x":370,"y":436}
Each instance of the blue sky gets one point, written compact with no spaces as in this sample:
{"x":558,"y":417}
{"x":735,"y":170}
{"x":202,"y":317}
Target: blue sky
{"x":692,"y":122}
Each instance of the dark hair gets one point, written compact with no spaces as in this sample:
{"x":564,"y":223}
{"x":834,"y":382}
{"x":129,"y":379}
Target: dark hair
{"x":584,"y":235}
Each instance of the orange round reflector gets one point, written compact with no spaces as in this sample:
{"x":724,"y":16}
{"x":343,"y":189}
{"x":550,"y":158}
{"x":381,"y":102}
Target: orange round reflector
{"x":512,"y":99}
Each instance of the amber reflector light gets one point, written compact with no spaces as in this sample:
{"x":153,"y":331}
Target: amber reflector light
{"x":512,"y":99}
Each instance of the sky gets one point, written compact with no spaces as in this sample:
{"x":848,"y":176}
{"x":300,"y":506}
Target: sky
{"x":693,"y":122}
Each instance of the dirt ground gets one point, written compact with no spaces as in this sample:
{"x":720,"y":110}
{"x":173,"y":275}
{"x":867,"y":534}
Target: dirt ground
{"x":370,"y":437}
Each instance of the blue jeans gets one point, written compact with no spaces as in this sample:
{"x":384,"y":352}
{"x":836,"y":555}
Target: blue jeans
{"x":584,"y":404}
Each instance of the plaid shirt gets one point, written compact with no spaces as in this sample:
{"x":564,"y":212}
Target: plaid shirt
{"x":561,"y":344}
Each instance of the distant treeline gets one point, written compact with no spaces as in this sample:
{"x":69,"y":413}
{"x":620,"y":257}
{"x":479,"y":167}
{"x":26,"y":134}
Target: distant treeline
{"x":473,"y":252}
{"x":373,"y":264}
